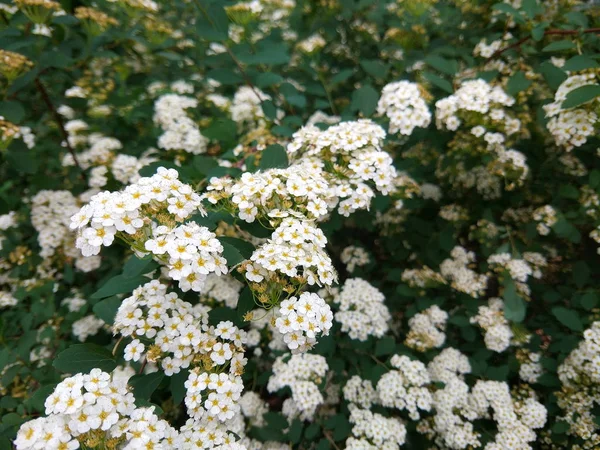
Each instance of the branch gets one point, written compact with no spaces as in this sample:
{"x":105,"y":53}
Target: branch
{"x":546,"y":33}
{"x":58,"y":119}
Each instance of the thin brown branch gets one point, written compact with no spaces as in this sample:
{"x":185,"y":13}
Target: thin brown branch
{"x":58,"y":119}
{"x":546,"y":33}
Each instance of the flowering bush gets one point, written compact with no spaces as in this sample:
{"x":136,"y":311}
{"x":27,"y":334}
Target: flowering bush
{"x":294,"y":224}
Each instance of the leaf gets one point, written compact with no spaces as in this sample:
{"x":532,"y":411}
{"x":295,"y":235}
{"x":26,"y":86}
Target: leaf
{"x":267,"y":79}
{"x":341,"y":77}
{"x":514,"y":305}
{"x":235,"y":250}
{"x":107,"y":309}
{"x":225,"y":76}
{"x":538,"y":32}
{"x":135,"y":266}
{"x":552,"y":74}
{"x":581,"y":273}
{"x":295,"y":431}
{"x":144,"y":385}
{"x":119,"y":285}
{"x":245,"y":302}
{"x":438,"y":81}
{"x":580,"y":62}
{"x":517,"y":83}
{"x":447,"y":66}
{"x":269,"y":109}
{"x":568,"y":317}
{"x":560,"y":427}
{"x":581,"y":95}
{"x":177,"y":386}
{"x":204,"y":164}
{"x":589,"y":300}
{"x":385,"y":346}
{"x":274,"y":156}
{"x":81,"y":358}
{"x":559,"y":45}
{"x":365,"y":100}
{"x":12,"y":111}
{"x":374,"y":67}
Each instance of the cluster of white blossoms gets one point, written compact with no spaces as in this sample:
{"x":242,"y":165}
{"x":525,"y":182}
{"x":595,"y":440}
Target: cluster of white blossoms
{"x":531,"y":369}
{"x":189,"y":251}
{"x":497,"y":329}
{"x":571,"y":127}
{"x":372,"y":431}
{"x":213,"y":397}
{"x":50,"y":216}
{"x":355,"y":158}
{"x":353,"y":257}
{"x":520,"y":270}
{"x":246,"y":108}
{"x":403,"y":103}
{"x":222,"y":289}
{"x":180,"y":132}
{"x":296,"y":249}
{"x":545,"y":216}
{"x":462,"y":278}
{"x":456,"y":408}
{"x":253,"y":408}
{"x":276,"y":193}
{"x":7,"y":299}
{"x":476,"y":96}
{"x":177,"y":333}
{"x":85,"y":410}
{"x":405,"y":388}
{"x":301,"y":319}
{"x":360,"y":392}
{"x":361,"y":310}
{"x":86,"y":327}
{"x":311,"y":44}
{"x":426,"y":329}
{"x":579,"y":396}
{"x":302,"y":373}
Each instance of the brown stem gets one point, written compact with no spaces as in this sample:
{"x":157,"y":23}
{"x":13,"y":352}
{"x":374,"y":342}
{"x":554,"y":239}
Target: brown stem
{"x":330,"y":439}
{"x":58,"y":119}
{"x":546,"y":33}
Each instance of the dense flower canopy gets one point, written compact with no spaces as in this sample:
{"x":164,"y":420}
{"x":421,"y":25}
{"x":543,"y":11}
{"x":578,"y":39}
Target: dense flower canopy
{"x":299,"y":224}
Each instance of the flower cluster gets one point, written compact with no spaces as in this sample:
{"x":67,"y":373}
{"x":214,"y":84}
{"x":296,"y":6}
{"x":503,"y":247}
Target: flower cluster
{"x":403,"y":103}
{"x":497,"y":330}
{"x":303,"y":374}
{"x":427,"y":329}
{"x":361,"y":310}
{"x":373,"y":431}
{"x":177,"y":333}
{"x":406,"y":387}
{"x":180,"y":132}
{"x":546,"y":218}
{"x":571,"y":127}
{"x":353,"y":257}
{"x":302,"y":319}
{"x":456,"y":270}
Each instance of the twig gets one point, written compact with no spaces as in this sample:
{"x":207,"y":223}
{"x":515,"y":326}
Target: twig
{"x":58,"y":119}
{"x":322,"y":80}
{"x":546,"y":33}
{"x":330,"y":439}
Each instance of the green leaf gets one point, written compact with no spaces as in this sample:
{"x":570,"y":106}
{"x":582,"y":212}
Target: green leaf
{"x":135,"y":266}
{"x":177,"y":386}
{"x":144,"y":385}
{"x":341,"y":77}
{"x":581,"y":273}
{"x":538,"y":32}
{"x":81,"y":358}
{"x":568,"y":317}
{"x":385,"y":346}
{"x":274,"y":156}
{"x":12,"y":111}
{"x":589,"y":300}
{"x":235,"y":250}
{"x":580,"y":62}
{"x":438,"y":81}
{"x":374,"y":67}
{"x":295,"y":431}
{"x":559,"y":46}
{"x":267,"y":79}
{"x":245,"y":302}
{"x":447,"y":66}
{"x":560,"y":427}
{"x":552,"y":74}
{"x":269,"y":109}
{"x":204,"y":164}
{"x":581,"y":95}
{"x":119,"y":285}
{"x":514,"y":305}
{"x":365,"y":100}
{"x":107,"y":309}
{"x":225,"y":76}
{"x":517,"y":83}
